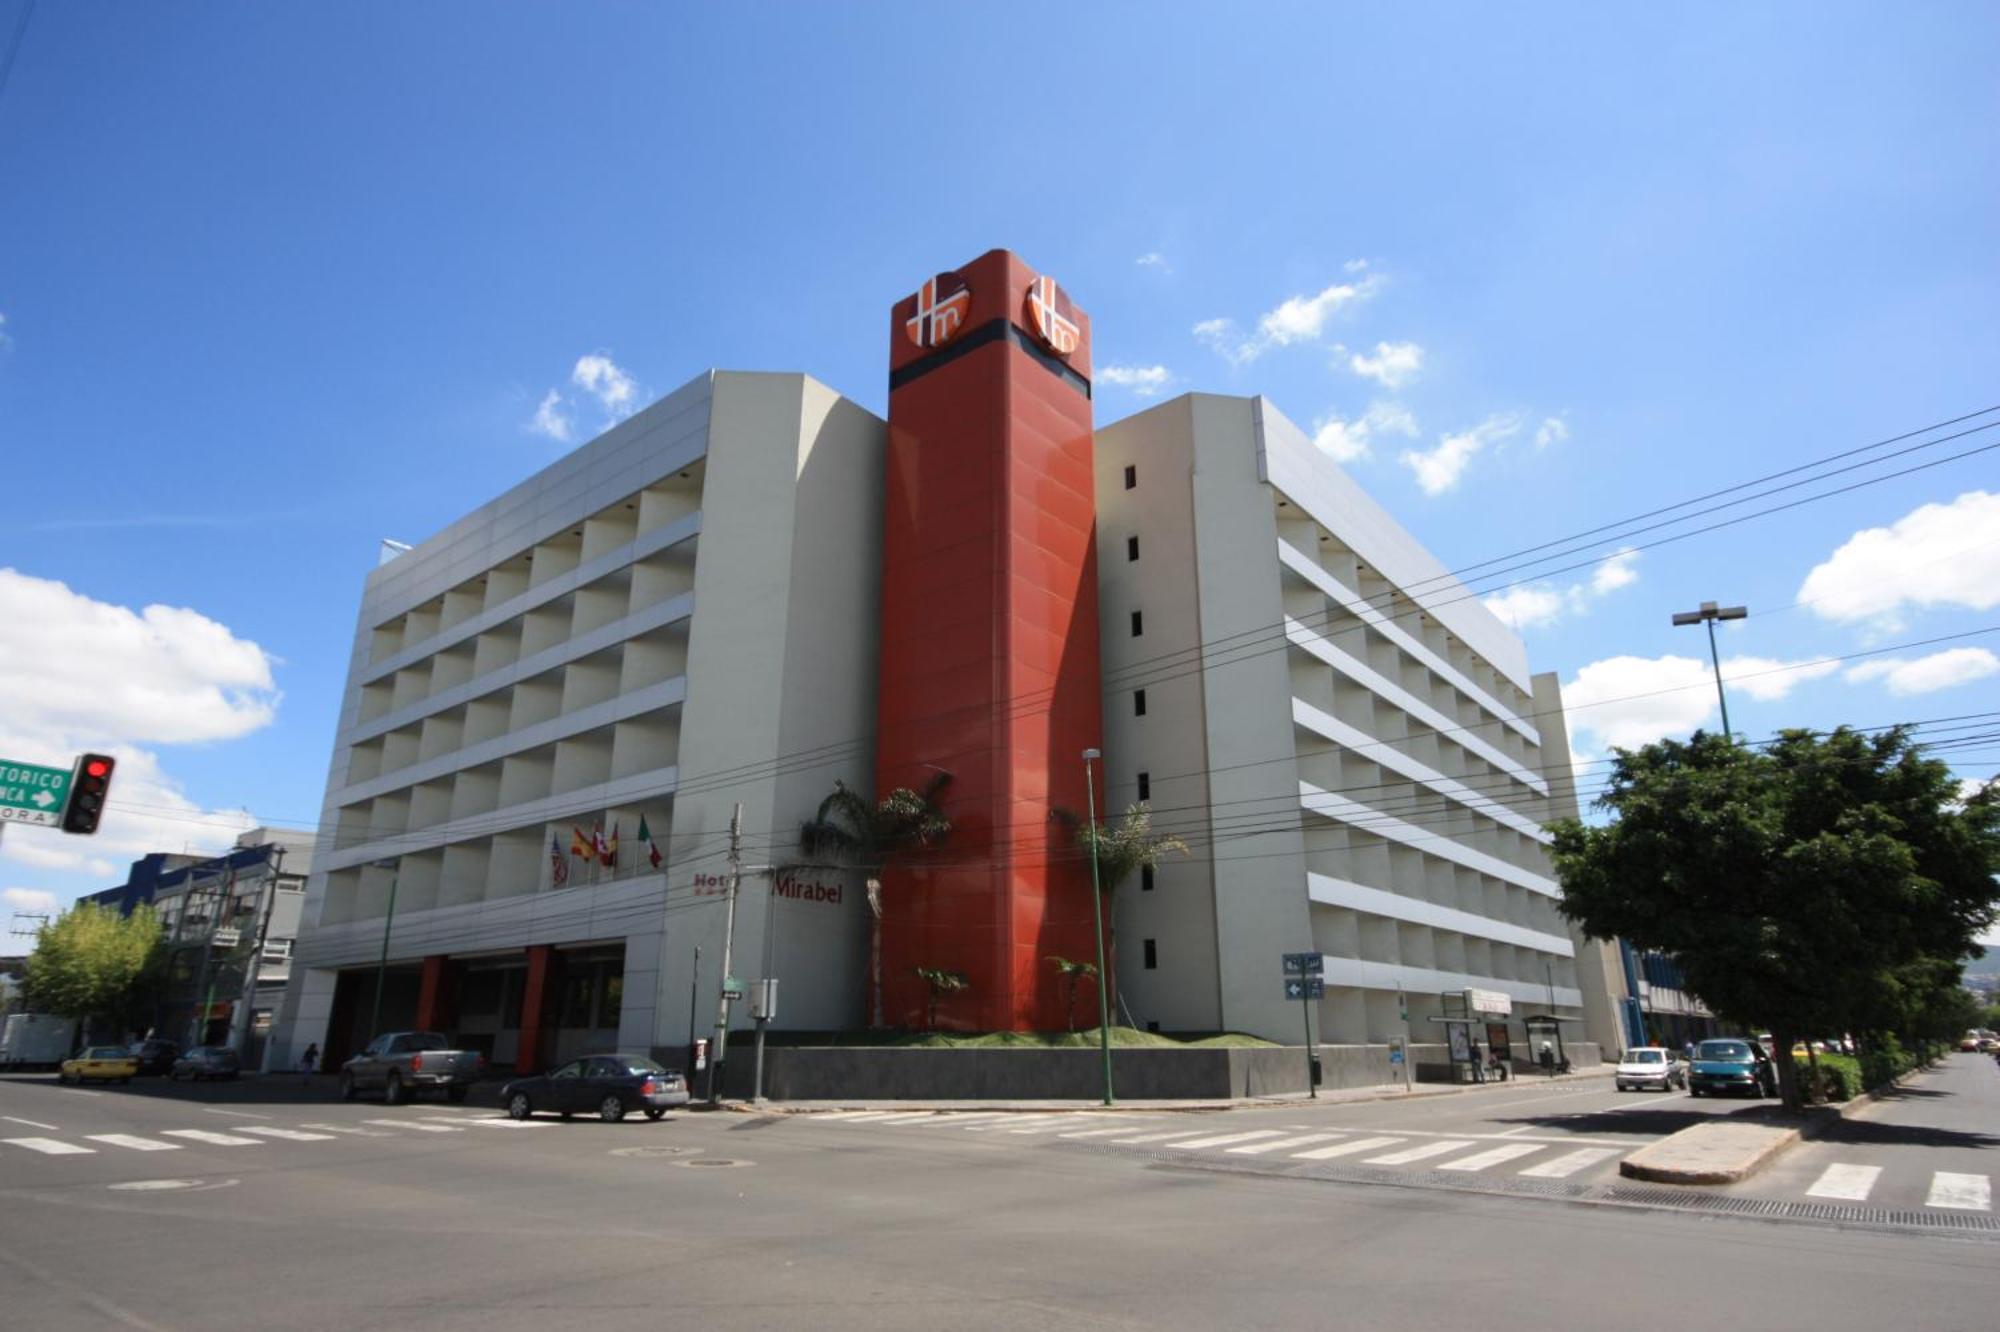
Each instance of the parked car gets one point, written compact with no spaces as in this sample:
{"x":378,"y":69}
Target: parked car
{"x":204,"y":1062}
{"x":605,"y":1085}
{"x":1648,"y":1067}
{"x":99,"y":1063}
{"x":1729,"y":1066}
{"x":403,"y":1063}
{"x":155,"y":1057}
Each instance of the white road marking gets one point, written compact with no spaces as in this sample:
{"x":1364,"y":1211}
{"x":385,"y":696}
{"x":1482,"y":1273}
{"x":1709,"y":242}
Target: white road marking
{"x":505,"y":1123}
{"x":1509,"y":1133}
{"x":1015,"y":1121}
{"x":908,"y":1117}
{"x":78,"y":1091}
{"x":1259,"y":1148}
{"x":136,"y":1143}
{"x":49,"y":1146}
{"x":416,"y":1124}
{"x":953,"y":1119}
{"x":1965,"y":1193}
{"x":238,"y":1114}
{"x":1344,"y":1148}
{"x":1160,"y":1137}
{"x":31,"y":1123}
{"x":1562,"y":1167}
{"x":1852,"y":1182}
{"x":1421,"y":1152}
{"x":834,"y":1116}
{"x":289,"y":1135}
{"x":1492,"y":1156}
{"x":864,"y":1116}
{"x":214,"y":1139}
{"x":1059,"y":1125}
{"x":344,"y":1128}
{"x":1094,"y":1133}
{"x":1226,"y":1139}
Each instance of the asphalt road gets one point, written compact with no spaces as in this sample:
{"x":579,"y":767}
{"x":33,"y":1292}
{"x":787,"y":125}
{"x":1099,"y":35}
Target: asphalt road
{"x":264,"y":1204}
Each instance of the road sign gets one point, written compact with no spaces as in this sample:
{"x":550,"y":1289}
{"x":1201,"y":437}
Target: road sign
{"x":1489,"y":1001}
{"x":1305,"y":964}
{"x":1304,"y":987}
{"x":732,"y":988}
{"x":1395,"y":1051}
{"x":30,"y":793}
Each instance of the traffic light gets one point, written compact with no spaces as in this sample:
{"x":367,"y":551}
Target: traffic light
{"x":87,"y":791}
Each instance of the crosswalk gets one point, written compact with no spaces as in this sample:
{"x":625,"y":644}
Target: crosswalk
{"x":1465,"y":1155}
{"x":258,"y":1135}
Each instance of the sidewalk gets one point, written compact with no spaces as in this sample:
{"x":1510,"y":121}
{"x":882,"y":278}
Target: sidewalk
{"x":1389,"y":1092}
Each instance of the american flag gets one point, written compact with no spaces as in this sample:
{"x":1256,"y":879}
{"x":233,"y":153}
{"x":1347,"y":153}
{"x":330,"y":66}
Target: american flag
{"x":558,"y":862}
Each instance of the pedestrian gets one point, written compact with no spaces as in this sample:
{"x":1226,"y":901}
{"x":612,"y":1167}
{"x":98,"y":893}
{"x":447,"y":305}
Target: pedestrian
{"x":308,"y":1064}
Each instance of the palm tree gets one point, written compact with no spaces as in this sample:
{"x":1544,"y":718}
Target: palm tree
{"x":1122,"y":849}
{"x":941,"y":983}
{"x":1073,"y":974}
{"x":866,"y":835}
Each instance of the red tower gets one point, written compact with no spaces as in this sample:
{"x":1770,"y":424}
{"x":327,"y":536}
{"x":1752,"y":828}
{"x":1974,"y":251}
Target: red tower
{"x":989,"y":637}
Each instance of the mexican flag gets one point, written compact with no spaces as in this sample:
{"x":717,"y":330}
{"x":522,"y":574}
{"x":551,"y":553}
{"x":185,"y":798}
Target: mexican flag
{"x":646,"y":840}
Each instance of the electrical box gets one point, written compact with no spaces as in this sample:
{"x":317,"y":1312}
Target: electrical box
{"x":763,"y":1000}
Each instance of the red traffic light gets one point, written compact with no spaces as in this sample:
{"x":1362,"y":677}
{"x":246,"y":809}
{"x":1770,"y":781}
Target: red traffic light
{"x":97,"y":768}
{"x":87,"y":793}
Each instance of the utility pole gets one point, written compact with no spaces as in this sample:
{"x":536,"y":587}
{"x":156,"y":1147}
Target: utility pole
{"x":273,"y":864}
{"x":694,"y":1001}
{"x":382,"y":966}
{"x":1097,"y":915}
{"x":1709,"y":614}
{"x":721,"y":1049}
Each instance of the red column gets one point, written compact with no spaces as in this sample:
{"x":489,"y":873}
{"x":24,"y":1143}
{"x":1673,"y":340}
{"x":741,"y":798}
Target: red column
{"x":989,"y":660}
{"x":529,"y":1059}
{"x":432,"y":1000}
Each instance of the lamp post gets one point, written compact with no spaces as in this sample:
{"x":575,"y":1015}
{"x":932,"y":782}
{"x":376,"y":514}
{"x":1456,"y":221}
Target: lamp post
{"x":1097,"y":915}
{"x":382,"y":967}
{"x":1709,"y":614}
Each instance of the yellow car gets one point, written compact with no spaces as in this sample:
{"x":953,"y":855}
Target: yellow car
{"x":99,"y":1063}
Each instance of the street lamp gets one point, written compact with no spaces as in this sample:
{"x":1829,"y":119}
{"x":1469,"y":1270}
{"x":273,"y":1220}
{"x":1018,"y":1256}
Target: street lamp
{"x":1709,"y":614}
{"x":1097,"y":915}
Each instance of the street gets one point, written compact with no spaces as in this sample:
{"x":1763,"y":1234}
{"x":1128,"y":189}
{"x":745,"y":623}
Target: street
{"x":238,"y":1205}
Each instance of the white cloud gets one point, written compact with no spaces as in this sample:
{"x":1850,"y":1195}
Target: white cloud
{"x":1348,"y":441}
{"x":1767,"y":679}
{"x":1355,"y":266}
{"x":1296,"y":319}
{"x":1925,"y":675}
{"x":77,"y":670}
{"x":1531,"y":604}
{"x":1552,"y":430}
{"x":549,"y":419}
{"x":5,"y":341}
{"x":1439,"y":469}
{"x":598,"y":375}
{"x":1393,"y":365}
{"x":1143,"y":380}
{"x":1631,"y":701}
{"x":28,"y":899}
{"x":1937,"y":555}
{"x":1153,"y":259}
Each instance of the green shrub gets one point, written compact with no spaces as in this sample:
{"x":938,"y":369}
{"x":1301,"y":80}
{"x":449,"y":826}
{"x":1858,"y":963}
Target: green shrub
{"x":1883,"y":1060}
{"x":1839,"y":1078}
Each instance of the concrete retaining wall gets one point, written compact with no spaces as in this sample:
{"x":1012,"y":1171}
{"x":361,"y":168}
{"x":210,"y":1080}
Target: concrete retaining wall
{"x":863,"y":1073}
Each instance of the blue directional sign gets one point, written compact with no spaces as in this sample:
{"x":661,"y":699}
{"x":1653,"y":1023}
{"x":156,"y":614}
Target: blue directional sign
{"x":1305,"y":964}
{"x":1304,"y":987}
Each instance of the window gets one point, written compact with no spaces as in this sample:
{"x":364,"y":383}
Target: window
{"x":1131,"y":548}
{"x":1152,"y":956}
{"x":1138,"y":702}
{"x":1145,"y":878}
{"x":1138,"y":623}
{"x":1145,"y":786}
{"x":1131,"y":478}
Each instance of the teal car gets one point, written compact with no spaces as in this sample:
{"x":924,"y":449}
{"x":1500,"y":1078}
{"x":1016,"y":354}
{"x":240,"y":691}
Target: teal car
{"x":1725,"y":1067}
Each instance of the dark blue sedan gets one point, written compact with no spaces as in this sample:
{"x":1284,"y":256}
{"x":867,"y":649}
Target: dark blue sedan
{"x":1726,"y":1066}
{"x":608,"y":1086}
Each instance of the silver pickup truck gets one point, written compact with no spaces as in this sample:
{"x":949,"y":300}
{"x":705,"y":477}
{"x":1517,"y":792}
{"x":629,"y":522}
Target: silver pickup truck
{"x":402,"y":1063}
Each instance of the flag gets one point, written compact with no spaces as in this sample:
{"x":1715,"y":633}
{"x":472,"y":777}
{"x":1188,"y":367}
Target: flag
{"x":580,"y":846}
{"x":611,"y":849}
{"x":646,"y":840}
{"x":599,"y":850}
{"x":558,"y":862}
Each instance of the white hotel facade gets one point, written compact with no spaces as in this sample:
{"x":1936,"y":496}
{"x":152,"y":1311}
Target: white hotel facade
{"x":681,"y":615}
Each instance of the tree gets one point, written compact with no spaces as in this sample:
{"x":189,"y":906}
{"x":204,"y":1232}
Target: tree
{"x":941,"y":983}
{"x":868,"y":835}
{"x":95,"y":964}
{"x":1122,"y":849}
{"x":1073,"y":975}
{"x":1794,"y":886}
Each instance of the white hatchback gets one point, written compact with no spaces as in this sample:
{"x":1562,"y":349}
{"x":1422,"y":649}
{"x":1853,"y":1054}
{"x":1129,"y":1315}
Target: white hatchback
{"x":1650,"y":1066}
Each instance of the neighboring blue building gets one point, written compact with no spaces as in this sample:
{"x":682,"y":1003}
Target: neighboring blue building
{"x":144,"y":882}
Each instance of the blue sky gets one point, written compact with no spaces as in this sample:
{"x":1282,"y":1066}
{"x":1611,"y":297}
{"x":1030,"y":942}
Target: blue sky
{"x":1574,"y":262}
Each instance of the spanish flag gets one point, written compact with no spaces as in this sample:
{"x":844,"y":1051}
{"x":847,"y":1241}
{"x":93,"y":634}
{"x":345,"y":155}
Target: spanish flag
{"x":579,"y":845}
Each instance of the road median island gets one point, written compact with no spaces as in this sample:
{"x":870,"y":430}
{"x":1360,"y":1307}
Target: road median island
{"x":1713,"y":1153}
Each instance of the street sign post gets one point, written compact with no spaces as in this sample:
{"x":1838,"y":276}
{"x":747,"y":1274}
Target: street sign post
{"x":1305,"y":964}
{"x":732,"y":989}
{"x":30,"y":793}
{"x":1305,"y":986}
